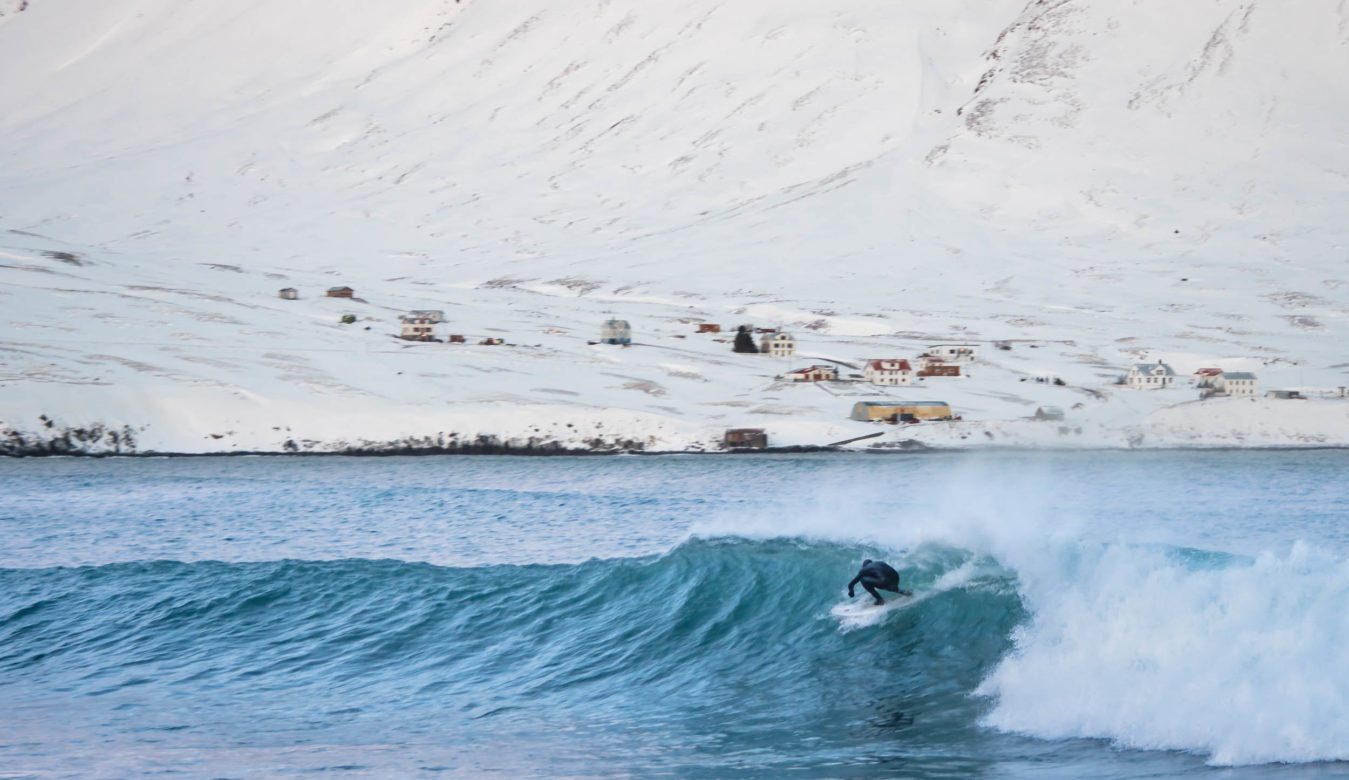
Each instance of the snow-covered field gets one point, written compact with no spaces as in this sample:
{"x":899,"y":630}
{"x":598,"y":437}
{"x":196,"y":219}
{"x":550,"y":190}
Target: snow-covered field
{"x":1096,"y":182}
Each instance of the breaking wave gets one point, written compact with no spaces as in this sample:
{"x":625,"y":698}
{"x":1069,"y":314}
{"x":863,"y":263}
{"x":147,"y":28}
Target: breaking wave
{"x":1236,"y":659}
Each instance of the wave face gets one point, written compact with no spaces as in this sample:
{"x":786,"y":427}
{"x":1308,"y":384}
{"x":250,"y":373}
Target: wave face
{"x":715,"y":632}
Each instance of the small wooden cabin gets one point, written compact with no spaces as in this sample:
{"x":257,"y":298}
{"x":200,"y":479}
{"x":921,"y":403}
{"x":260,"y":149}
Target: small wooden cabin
{"x":615,"y":331}
{"x":939,"y":369}
{"x":746,"y":438}
{"x":340,"y":292}
{"x":709,"y":327}
{"x":289,"y":294}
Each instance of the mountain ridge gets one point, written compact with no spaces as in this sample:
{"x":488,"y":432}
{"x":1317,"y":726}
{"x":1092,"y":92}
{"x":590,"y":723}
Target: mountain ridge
{"x":1138,"y":180}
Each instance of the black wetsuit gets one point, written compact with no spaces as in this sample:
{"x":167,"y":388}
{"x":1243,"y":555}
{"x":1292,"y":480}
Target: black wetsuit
{"x":877,"y":575}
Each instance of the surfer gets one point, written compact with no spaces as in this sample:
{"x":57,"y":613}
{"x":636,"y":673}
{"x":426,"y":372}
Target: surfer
{"x":874,"y":575}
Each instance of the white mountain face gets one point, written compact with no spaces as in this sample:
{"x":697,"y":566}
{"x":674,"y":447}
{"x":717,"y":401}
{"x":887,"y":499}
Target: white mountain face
{"x":1098,"y":183}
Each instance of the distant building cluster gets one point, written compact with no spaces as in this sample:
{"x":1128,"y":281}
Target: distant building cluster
{"x":936,"y":361}
{"x":1211,"y":381}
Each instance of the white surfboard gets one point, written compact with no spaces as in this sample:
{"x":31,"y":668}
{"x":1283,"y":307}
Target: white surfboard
{"x":863,"y":612}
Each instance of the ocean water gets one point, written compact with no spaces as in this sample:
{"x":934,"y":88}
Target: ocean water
{"x":1101,"y":615}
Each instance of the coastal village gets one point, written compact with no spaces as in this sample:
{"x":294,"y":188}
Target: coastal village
{"x":894,"y":390}
{"x":275,"y":358}
{"x":232,"y":357}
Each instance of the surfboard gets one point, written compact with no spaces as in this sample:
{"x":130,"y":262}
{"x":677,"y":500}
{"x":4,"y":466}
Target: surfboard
{"x":864,"y":612}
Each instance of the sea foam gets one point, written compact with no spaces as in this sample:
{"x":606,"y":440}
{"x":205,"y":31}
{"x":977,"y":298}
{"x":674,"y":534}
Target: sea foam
{"x":1241,"y":661}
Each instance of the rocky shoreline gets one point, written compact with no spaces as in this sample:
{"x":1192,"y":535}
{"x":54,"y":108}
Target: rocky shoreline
{"x":99,"y":441}
{"x":84,"y":445}
{"x":603,"y":435}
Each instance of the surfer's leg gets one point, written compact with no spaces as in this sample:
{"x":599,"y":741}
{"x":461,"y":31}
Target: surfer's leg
{"x":872,"y":590}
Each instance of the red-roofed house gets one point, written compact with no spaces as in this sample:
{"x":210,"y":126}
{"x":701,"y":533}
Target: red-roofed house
{"x":1204,"y":377}
{"x":813,"y":374}
{"x":889,"y":372}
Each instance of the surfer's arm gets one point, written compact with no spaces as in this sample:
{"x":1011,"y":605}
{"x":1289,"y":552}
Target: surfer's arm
{"x":853,"y":584}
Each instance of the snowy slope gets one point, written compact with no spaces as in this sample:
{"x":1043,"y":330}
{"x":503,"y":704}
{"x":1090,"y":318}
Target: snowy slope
{"x":1100,"y":181}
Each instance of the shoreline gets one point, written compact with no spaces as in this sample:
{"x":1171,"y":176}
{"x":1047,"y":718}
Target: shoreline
{"x":542,"y":452}
{"x":537,"y":434}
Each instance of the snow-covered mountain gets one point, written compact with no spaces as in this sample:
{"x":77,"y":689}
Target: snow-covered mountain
{"x":1097,"y":182}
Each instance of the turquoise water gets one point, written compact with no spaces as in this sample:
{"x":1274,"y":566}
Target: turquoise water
{"x":1108,"y":615}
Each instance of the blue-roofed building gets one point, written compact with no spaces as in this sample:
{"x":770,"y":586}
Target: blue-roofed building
{"x":1151,"y":376}
{"x":1236,"y":383}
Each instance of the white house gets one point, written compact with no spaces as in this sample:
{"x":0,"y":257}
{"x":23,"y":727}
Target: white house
{"x":888,"y":372}
{"x":1235,"y":383}
{"x":954,"y":353}
{"x":780,"y":344}
{"x":1151,"y":376}
{"x":419,"y":325}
